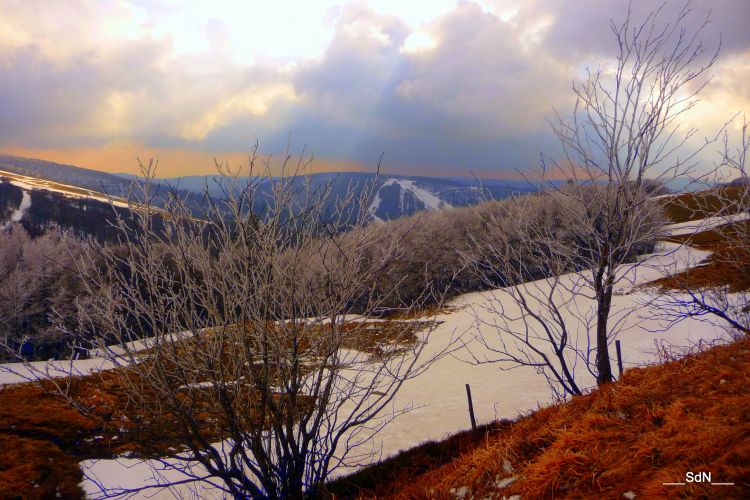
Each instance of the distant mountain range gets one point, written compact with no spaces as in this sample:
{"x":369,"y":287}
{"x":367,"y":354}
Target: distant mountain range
{"x":390,"y":196}
{"x":86,"y":193}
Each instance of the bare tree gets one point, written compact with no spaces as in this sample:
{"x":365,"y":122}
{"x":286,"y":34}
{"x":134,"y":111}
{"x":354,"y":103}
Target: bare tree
{"x":722,"y":223}
{"x":623,"y":135}
{"x":528,"y":312}
{"x":256,"y":319}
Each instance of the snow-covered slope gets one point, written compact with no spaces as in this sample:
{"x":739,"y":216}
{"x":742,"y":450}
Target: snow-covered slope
{"x":38,"y":204}
{"x":34,"y":183}
{"x":692,"y":227}
{"x":397,"y":197}
{"x":437,"y":397}
{"x":18,"y":213}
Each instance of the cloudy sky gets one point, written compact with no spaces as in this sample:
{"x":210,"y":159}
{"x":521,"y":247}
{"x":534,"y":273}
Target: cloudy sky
{"x":442,"y":87}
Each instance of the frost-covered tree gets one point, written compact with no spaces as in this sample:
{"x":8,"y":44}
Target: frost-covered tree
{"x":39,"y":287}
{"x":254,"y":345}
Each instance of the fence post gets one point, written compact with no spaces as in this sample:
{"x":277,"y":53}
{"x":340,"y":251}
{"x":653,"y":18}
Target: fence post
{"x":471,"y":408}
{"x":619,"y":356}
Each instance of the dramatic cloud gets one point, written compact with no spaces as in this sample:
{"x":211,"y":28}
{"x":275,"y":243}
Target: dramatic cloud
{"x":443,"y":87}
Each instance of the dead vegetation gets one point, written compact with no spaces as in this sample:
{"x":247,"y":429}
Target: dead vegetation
{"x":43,"y":436}
{"x":657,"y":423}
{"x":687,"y":207}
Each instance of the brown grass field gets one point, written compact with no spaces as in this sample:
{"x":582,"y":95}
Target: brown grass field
{"x":653,"y":426}
{"x":693,"y":206}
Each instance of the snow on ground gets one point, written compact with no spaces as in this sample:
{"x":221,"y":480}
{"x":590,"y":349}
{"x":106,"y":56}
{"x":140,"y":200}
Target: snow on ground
{"x":18,"y":213}
{"x":137,"y":345}
{"x":13,"y":373}
{"x":431,"y":202}
{"x":690,"y":227}
{"x":668,"y":259}
{"x":438,"y":396}
{"x":70,"y":191}
{"x":102,"y":358}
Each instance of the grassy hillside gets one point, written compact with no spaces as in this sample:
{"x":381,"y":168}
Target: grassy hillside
{"x":694,"y":206}
{"x":620,"y":441}
{"x":656,"y":424}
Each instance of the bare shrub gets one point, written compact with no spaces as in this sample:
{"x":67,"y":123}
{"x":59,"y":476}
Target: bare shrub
{"x":248,"y":319}
{"x":725,"y":230}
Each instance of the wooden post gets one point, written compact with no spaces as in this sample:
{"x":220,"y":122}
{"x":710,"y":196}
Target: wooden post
{"x":471,"y":408}
{"x":619,"y":356}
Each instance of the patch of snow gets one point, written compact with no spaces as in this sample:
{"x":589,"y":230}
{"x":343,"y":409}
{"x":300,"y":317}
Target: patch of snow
{"x":504,"y":482}
{"x":18,"y":214}
{"x":130,"y":473}
{"x":101,"y":358}
{"x":14,"y":373}
{"x":430,"y":201}
{"x":460,"y":492}
{"x":374,"y":206}
{"x":137,"y":345}
{"x":668,"y":259}
{"x":507,"y":466}
{"x":690,"y":227}
{"x":662,"y":196}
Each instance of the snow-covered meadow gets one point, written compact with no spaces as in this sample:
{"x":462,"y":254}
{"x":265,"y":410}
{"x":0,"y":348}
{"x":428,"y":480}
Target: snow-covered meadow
{"x":437,"y":398}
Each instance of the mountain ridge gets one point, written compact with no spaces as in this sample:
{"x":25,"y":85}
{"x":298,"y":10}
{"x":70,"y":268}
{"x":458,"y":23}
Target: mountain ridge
{"x":392,"y":195}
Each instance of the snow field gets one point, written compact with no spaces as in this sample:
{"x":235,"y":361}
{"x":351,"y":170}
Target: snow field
{"x":438,"y":398}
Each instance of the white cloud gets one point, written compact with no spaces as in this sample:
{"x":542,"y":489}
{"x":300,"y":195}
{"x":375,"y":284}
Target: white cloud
{"x":345,"y":77}
{"x":255,"y":101}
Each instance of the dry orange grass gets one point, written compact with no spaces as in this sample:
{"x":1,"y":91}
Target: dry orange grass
{"x":108,"y":422}
{"x":729,"y":263}
{"x":694,"y":206}
{"x":652,"y":427}
{"x":32,"y":468}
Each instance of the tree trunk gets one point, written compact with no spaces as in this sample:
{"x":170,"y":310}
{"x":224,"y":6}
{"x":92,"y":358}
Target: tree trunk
{"x":603,"y":365}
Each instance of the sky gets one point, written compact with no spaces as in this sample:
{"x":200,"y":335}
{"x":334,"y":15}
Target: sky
{"x":442,"y":87}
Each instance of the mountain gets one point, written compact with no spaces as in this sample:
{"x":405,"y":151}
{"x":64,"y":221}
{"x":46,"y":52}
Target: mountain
{"x":101,"y":182}
{"x":38,"y":193}
{"x":38,"y":205}
{"x":388,"y":196}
